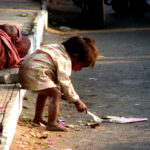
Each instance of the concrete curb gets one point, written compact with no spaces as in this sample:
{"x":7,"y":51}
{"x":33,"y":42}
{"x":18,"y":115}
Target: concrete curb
{"x":14,"y":106}
{"x":40,"y":24}
{"x":10,"y":118}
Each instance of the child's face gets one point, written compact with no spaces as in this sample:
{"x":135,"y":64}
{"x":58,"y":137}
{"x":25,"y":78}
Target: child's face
{"x":77,"y":66}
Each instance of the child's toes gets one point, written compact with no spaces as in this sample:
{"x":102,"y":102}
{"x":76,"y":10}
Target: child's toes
{"x":56,"y":127}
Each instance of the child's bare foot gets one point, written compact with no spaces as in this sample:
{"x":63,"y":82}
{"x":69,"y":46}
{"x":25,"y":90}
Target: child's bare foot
{"x":38,"y":121}
{"x":56,"y":127}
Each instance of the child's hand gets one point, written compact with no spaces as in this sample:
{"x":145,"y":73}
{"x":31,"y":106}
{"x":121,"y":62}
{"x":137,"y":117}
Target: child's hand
{"x":81,"y":107}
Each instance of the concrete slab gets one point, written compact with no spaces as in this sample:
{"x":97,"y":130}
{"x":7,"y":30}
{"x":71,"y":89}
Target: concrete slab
{"x":8,"y":76}
{"x":22,"y":18}
{"x":21,"y":4}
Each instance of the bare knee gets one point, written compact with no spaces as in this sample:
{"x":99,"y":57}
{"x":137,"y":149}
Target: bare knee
{"x":54,"y":93}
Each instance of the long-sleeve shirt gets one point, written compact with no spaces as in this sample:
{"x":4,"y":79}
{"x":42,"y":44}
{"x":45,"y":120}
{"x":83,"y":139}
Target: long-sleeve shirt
{"x":48,"y":67}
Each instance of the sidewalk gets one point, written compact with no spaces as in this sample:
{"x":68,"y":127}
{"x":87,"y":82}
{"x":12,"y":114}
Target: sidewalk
{"x":32,"y":20}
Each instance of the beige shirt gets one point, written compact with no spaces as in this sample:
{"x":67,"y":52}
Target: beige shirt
{"x":48,"y":67}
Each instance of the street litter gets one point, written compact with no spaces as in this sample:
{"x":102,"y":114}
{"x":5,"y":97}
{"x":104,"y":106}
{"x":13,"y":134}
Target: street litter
{"x":61,"y":121}
{"x":43,"y":137}
{"x":64,"y":28}
{"x":96,"y":118}
{"x":92,"y":79}
{"x":23,"y":15}
{"x":118,"y":119}
{"x":33,"y":134}
{"x":43,"y":125}
{"x":2,"y":107}
{"x":25,"y":107}
{"x":96,"y":125}
{"x":51,"y":140}
{"x":70,"y":126}
{"x":136,"y":104}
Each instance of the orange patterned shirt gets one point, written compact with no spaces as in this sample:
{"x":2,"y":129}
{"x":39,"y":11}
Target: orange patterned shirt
{"x":48,"y":67}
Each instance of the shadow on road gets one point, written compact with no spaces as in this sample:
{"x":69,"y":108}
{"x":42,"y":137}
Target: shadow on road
{"x":66,"y":16}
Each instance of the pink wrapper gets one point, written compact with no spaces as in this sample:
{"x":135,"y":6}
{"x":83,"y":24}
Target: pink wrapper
{"x":124,"y":120}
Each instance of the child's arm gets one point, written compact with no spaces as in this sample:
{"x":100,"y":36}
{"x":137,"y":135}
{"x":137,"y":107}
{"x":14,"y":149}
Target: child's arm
{"x":65,"y":83}
{"x":72,"y":96}
{"x":63,"y":74}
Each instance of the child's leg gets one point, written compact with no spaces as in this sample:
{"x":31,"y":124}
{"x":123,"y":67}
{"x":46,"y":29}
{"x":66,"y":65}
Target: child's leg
{"x":53,"y":110}
{"x":39,"y":110}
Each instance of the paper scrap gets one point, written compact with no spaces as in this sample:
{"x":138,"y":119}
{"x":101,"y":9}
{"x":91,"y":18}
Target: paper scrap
{"x":122,"y":119}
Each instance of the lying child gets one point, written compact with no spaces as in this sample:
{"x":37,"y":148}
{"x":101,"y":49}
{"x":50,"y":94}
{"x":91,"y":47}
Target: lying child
{"x":50,"y":67}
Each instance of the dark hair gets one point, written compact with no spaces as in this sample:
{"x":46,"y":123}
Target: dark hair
{"x":85,"y":47}
{"x":11,"y":30}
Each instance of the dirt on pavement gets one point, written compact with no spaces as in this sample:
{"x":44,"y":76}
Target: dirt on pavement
{"x":118,"y":85}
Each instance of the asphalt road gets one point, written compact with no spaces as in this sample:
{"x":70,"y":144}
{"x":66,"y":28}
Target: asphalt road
{"x":118,"y":85}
